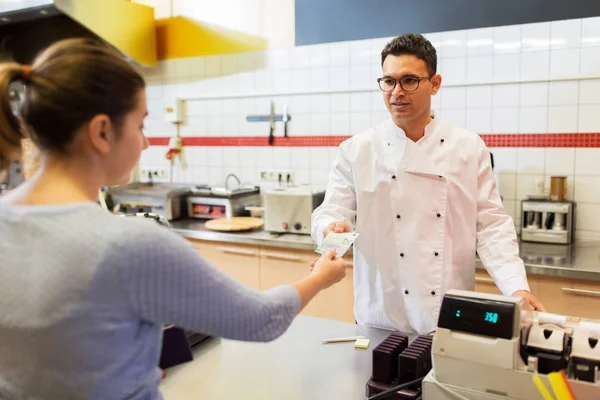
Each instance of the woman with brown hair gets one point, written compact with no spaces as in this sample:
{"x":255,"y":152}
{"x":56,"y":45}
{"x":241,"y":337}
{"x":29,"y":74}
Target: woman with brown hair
{"x":84,"y":294}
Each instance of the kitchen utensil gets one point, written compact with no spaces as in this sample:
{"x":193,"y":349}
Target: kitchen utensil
{"x":558,"y":188}
{"x":210,"y":202}
{"x":234,"y":224}
{"x":272,"y":123}
{"x":286,"y":119}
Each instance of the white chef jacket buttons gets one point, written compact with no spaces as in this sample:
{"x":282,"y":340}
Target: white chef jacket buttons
{"x":441,"y":140}
{"x":406,"y":292}
{"x":401,"y":254}
{"x":439,"y":215}
{"x":433,"y":292}
{"x":393,"y":176}
{"x":436,"y":254}
{"x":398,"y":216}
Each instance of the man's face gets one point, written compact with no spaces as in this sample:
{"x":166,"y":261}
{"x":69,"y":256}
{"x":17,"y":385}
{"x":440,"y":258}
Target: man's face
{"x":404,"y":105}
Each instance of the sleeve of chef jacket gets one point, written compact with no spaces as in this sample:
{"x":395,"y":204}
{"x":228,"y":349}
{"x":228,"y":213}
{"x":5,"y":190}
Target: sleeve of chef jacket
{"x":340,"y":198}
{"x":497,"y":244}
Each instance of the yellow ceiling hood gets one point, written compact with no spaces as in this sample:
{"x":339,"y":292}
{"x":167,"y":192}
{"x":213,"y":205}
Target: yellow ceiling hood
{"x":28,"y":26}
{"x":181,"y":37}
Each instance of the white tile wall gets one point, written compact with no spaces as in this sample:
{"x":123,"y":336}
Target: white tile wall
{"x":533,"y":78}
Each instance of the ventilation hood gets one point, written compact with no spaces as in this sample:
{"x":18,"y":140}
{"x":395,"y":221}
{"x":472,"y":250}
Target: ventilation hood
{"x":29,"y":26}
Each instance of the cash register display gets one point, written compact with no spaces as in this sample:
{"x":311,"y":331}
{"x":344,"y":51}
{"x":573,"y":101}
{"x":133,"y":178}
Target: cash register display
{"x":479,"y":316}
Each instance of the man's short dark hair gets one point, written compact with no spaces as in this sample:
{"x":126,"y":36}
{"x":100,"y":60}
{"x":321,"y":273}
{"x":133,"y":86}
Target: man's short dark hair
{"x":414,"y":44}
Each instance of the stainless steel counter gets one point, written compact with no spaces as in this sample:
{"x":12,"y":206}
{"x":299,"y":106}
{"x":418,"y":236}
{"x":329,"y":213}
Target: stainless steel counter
{"x":194,"y":229}
{"x":580,"y":260}
{"x":296,"y":366}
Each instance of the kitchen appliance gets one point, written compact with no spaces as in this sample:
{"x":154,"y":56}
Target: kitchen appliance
{"x":166,"y":199}
{"x":558,"y":188}
{"x":547,"y":221}
{"x":492,"y":347}
{"x":207,"y":203}
{"x":29,"y":26}
{"x":289,"y":209}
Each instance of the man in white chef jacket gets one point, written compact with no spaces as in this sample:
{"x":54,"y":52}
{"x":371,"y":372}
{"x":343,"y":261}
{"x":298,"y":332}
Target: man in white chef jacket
{"x":421,"y":193}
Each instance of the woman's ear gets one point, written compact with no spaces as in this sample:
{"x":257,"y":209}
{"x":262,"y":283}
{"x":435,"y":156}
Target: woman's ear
{"x":101,"y":133}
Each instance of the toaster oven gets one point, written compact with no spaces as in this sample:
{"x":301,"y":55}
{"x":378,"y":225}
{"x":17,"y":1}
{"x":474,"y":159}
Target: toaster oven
{"x":290,"y":209}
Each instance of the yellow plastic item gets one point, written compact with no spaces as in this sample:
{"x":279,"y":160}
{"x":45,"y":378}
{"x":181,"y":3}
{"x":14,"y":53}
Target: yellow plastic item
{"x":540,"y":385}
{"x":361,"y":344}
{"x":561,"y":391}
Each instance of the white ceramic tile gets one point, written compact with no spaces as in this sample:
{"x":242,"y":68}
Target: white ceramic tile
{"x":505,"y":95}
{"x":535,"y":36}
{"x":533,"y":119}
{"x":589,"y":118}
{"x":453,"y":44}
{"x":505,"y":159}
{"x":229,"y":126}
{"x":589,"y":92}
{"x":300,"y":57}
{"x":560,"y":161}
{"x":590,"y":61}
{"x":215,"y":156}
{"x":231,"y":156}
{"x":339,"y":78}
{"x":435,"y":39}
{"x":340,"y":102}
{"x":535,"y":65}
{"x":505,"y":119}
{"x":587,"y":190}
{"x":361,"y":53}
{"x":319,"y":103}
{"x":480,"y":69}
{"x":281,"y":58}
{"x":319,"y":79}
{"x":215,"y":125}
{"x":377,"y":102}
{"x":510,"y":207}
{"x":507,"y":183}
{"x":247,"y":157}
{"x":263,"y":59}
{"x":299,"y":79}
{"x":590,"y":32}
{"x":563,"y":93}
{"x":534,"y":94}
{"x":360,"y":102}
{"x":562,"y":119}
{"x":339,"y":54}
{"x":360,"y":121}
{"x":340,"y":124}
{"x":300,"y":158}
{"x":480,"y":41}
{"x":454,"y":71}
{"x":228,"y":64}
{"x":378,"y":117}
{"x":319,"y":158}
{"x":319,"y":56}
{"x":587,"y":218}
{"x":319,"y":124}
{"x":263,"y":81}
{"x":436,"y":101}
{"x":586,"y":161}
{"x":565,"y":34}
{"x":454,"y":97}
{"x":507,"y":39}
{"x":507,"y":67}
{"x":376,"y":71}
{"x":281,"y":81}
{"x":299,"y":104}
{"x":319,"y":177}
{"x":300,"y":124}
{"x":264,"y":157}
{"x":531,"y":161}
{"x":245,"y":62}
{"x":479,"y":120}
{"x":457,"y":116}
{"x":361,"y":77}
{"x":283,"y":157}
{"x":527,"y":183}
{"x":564,"y":63}
{"x":302,"y":176}
{"x":479,"y":96}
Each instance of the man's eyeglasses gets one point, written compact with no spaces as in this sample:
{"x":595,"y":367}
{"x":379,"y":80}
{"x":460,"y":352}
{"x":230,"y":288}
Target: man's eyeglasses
{"x":408,"y":83}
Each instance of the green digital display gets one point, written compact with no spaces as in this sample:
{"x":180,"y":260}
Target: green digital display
{"x":491,"y":317}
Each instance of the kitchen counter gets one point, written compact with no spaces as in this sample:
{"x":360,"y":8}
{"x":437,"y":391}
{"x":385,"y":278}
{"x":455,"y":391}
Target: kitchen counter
{"x":580,"y":260}
{"x":295,"y":366}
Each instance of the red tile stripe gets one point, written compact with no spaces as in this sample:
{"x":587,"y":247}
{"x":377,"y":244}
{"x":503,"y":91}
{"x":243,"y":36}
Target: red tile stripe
{"x":491,"y":140}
